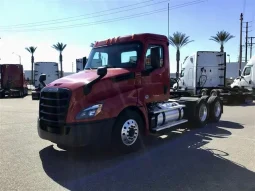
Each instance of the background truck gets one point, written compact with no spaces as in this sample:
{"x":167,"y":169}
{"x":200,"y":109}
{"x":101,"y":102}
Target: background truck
{"x":80,"y":64}
{"x":12,"y":81}
{"x":120,"y":97}
{"x":204,"y":73}
{"x":247,"y":79}
{"x":48,"y":68}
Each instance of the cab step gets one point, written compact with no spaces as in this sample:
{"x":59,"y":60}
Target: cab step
{"x":169,"y":125}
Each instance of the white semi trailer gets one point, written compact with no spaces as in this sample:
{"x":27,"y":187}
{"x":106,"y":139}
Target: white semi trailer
{"x":48,"y":68}
{"x":204,"y":73}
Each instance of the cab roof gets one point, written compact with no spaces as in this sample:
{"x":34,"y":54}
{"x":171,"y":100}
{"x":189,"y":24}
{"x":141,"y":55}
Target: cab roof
{"x":129,"y":38}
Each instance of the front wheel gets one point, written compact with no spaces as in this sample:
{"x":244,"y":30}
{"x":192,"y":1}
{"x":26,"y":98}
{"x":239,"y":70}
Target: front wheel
{"x":126,"y":136}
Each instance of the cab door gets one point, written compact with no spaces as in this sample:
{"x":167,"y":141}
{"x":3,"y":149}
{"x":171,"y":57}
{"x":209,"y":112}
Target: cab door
{"x":155,"y":77}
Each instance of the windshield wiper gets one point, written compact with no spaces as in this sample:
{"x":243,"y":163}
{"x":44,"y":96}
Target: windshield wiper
{"x":90,"y":68}
{"x":107,"y":66}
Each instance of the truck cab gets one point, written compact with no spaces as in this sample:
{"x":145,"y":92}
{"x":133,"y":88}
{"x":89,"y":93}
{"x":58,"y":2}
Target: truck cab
{"x":247,"y":79}
{"x":186,"y":80}
{"x":121,"y":95}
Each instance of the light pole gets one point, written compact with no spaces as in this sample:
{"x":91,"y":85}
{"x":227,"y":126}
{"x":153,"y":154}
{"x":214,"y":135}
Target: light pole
{"x":228,"y":58}
{"x":18,"y":56}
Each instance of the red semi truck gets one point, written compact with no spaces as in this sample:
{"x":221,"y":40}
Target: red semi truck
{"x":12,"y":81}
{"x":122,"y":95}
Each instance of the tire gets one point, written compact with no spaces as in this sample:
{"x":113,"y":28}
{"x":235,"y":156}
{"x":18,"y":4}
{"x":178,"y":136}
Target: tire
{"x":248,"y":99}
{"x":204,"y":92}
{"x":20,"y":94}
{"x":2,"y":94}
{"x":215,"y":109}
{"x":201,"y":113}
{"x":132,"y":121}
{"x":215,"y":92}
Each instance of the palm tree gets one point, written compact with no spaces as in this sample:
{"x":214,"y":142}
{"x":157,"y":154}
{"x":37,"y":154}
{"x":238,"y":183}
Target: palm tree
{"x":222,"y":37}
{"x":60,"y":47}
{"x":92,"y":44}
{"x":31,"y":50}
{"x":178,"y":40}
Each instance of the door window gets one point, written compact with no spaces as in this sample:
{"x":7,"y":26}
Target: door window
{"x":128,"y":57}
{"x":147,"y":57}
{"x":247,"y":71}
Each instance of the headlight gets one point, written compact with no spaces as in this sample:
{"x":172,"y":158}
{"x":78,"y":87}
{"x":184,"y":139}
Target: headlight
{"x":89,"y":112}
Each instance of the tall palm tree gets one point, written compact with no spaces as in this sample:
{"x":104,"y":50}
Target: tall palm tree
{"x":222,"y":37}
{"x":92,"y":44}
{"x":178,"y":40}
{"x":60,"y":47}
{"x":31,"y":50}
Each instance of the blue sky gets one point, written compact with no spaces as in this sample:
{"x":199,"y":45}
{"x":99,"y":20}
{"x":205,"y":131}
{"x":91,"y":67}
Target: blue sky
{"x":199,"y":21}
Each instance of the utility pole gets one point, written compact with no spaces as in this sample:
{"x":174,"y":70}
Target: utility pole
{"x":241,"y":36}
{"x":168,"y":21}
{"x":246,"y":42}
{"x":251,"y":44}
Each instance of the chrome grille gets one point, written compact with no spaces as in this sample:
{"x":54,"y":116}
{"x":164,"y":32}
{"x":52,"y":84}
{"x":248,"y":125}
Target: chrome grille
{"x":54,"y":103}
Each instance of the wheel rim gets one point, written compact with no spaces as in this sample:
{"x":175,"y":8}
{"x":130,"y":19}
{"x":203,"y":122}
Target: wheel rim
{"x":203,"y":112}
{"x":129,"y":132}
{"x":217,"y":109}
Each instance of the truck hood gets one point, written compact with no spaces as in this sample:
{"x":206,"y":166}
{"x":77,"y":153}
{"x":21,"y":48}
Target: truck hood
{"x":84,"y":77}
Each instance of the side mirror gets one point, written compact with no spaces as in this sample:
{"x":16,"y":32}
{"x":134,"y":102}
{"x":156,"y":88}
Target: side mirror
{"x":42,"y":78}
{"x":155,"y":57}
{"x":102,"y":71}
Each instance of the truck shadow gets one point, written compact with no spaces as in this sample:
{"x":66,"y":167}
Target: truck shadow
{"x":170,"y":161}
{"x":242,"y":105}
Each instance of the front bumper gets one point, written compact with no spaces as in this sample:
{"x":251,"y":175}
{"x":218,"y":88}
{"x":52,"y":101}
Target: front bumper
{"x":78,"y":134}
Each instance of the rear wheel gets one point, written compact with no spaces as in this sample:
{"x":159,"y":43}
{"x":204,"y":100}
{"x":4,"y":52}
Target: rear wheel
{"x":248,"y":99}
{"x":201,"y":113}
{"x":215,"y":92}
{"x":126,"y":136}
{"x":215,"y":108}
{"x":204,"y":92}
{"x":2,"y":94}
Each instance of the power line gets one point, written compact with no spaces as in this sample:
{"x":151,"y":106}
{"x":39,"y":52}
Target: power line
{"x":112,"y":20}
{"x":98,"y":14}
{"x":66,"y":18}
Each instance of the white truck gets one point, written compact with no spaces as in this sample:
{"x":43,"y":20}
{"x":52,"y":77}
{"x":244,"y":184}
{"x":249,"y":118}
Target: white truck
{"x":80,"y":64}
{"x":48,"y":68}
{"x":247,"y":79}
{"x":204,"y":73}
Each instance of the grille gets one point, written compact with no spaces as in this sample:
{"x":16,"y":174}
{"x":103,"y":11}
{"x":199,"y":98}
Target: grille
{"x":53,"y":107}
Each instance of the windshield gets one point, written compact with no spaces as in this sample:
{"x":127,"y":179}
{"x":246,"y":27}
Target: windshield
{"x":114,"y":56}
{"x":247,"y":71}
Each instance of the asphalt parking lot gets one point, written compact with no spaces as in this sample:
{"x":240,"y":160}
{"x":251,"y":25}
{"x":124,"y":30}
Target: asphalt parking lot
{"x":218,"y":157}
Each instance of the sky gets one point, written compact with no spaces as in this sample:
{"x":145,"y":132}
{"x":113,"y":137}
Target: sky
{"x":77,"y":23}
